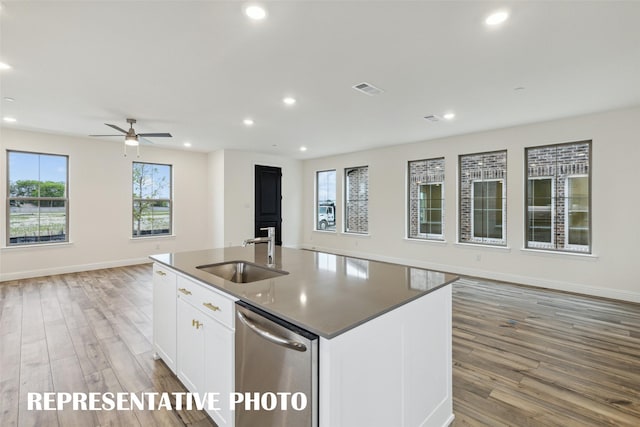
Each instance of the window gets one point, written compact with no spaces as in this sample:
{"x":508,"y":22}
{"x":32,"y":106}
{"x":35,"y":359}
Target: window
{"x":357,"y":200}
{"x":488,"y":208}
{"x":426,"y":199}
{"x":483,"y":202}
{"x":558,"y":197}
{"x":540,"y":208}
{"x":151,"y":199}
{"x":37,"y":202}
{"x":326,"y":200}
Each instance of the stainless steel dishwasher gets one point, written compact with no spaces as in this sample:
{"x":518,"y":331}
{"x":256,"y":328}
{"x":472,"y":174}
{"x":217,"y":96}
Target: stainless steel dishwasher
{"x":274,"y":356}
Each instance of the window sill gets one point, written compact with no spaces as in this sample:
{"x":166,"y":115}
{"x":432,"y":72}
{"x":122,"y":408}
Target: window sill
{"x":483,"y":246}
{"x":41,"y":246}
{"x":553,"y":253}
{"x":435,"y":241}
{"x":352,"y":234}
{"x":152,"y":237}
{"x":325,"y":231}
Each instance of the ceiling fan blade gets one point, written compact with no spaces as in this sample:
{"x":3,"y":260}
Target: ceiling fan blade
{"x":156,"y":135}
{"x":105,"y":135}
{"x":116,"y":128}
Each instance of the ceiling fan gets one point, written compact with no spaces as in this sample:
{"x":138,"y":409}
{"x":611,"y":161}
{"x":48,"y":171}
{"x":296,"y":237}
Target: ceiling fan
{"x":132,"y":138}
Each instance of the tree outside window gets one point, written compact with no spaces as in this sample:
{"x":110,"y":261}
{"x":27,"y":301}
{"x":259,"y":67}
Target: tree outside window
{"x":152,"y":206}
{"x":37,"y":202}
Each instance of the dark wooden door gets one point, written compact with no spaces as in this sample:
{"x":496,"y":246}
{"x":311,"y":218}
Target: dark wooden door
{"x":268,"y":201}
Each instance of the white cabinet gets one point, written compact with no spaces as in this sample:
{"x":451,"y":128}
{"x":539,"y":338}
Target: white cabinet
{"x":411,"y":378}
{"x":219,"y":369}
{"x":164,"y":315}
{"x":205,"y":321}
{"x":191,"y":357}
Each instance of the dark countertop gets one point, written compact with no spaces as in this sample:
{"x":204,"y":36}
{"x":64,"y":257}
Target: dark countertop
{"x":323,"y":293}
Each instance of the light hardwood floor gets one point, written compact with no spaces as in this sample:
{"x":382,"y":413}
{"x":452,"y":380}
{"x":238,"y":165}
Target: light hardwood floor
{"x":522,"y":356}
{"x":531,"y":357}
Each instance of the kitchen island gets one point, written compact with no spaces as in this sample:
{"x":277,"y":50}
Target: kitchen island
{"x":385,"y":329}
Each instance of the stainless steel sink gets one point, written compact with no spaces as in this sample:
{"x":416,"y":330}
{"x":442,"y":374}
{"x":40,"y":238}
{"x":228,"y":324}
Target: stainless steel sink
{"x":241,"y":271}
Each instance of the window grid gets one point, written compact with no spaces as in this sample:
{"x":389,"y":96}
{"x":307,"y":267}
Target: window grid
{"x":483,"y":206}
{"x":37,"y":198}
{"x":357,"y":200}
{"x":568,"y":167}
{"x":152,"y":204}
{"x":426,"y":199}
{"x":326,"y":200}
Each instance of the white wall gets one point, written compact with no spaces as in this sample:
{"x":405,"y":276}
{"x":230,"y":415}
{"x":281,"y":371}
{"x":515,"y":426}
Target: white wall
{"x":239,"y":204}
{"x":100,"y":206}
{"x":216,"y":198}
{"x":612,"y":271}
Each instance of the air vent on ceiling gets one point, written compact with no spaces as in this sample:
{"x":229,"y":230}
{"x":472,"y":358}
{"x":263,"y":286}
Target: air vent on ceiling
{"x":432,"y":118}
{"x":368,"y":89}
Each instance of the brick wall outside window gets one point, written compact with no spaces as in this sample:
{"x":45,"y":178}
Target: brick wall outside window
{"x":357,"y":200}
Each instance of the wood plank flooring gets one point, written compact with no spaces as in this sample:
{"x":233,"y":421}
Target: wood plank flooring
{"x":522,"y":356}
{"x":532,"y":357}
{"x":83,"y":332}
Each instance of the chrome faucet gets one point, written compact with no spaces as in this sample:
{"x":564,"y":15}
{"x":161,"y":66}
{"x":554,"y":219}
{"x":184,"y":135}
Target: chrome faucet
{"x":270,"y":240}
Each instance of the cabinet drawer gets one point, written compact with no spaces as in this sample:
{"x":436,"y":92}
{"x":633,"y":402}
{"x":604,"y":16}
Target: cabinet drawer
{"x":207,"y":300}
{"x":163,"y":275}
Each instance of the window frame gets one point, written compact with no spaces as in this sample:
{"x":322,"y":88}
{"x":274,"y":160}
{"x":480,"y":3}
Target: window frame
{"x":503,"y":214}
{"x":431,"y":236}
{"x":39,"y":199}
{"x":469,"y":177}
{"x":561,"y":179}
{"x":433,"y":168}
{"x":317,"y":202}
{"x":567,"y":228}
{"x":532,"y":243}
{"x":347,"y":200}
{"x":169,"y":200}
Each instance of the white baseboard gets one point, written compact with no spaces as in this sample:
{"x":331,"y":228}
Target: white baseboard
{"x":71,"y":269}
{"x":494,"y":275}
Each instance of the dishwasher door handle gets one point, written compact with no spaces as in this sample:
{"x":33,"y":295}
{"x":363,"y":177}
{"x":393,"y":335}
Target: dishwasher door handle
{"x":284,"y":342}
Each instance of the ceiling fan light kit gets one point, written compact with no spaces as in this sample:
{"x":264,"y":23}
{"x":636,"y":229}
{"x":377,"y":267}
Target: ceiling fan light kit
{"x":132,"y":139}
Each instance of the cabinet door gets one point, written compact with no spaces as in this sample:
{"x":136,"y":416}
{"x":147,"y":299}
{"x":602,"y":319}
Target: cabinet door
{"x":219,"y":369}
{"x":191,"y":355}
{"x":164,"y":315}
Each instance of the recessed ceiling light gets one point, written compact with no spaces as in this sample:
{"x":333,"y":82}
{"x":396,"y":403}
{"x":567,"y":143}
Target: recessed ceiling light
{"x":496,"y":18}
{"x":4,"y":66}
{"x":303,"y":148}
{"x":449,"y":116}
{"x":9,"y":99}
{"x":187,"y":144}
{"x":248,"y":122}
{"x":9,"y":119}
{"x":289,"y":101}
{"x":255,"y":12}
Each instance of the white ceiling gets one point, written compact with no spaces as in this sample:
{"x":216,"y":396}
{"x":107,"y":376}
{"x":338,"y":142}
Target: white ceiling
{"x":198,"y":68}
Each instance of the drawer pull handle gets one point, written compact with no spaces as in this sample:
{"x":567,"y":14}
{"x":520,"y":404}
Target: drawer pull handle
{"x":161,"y":273}
{"x":185,"y":291}
{"x":211,"y":306}
{"x":196,"y":324}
